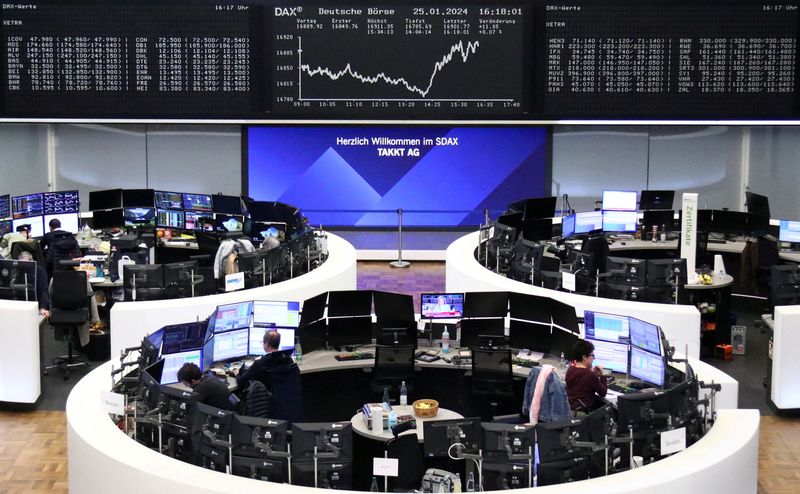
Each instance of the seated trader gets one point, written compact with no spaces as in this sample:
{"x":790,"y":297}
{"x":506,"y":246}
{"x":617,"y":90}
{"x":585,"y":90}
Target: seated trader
{"x":42,"y":287}
{"x":58,"y":245}
{"x":262,"y":368}
{"x":212,"y":390}
{"x":585,"y":384}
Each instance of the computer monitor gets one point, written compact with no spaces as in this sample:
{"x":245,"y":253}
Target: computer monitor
{"x":279,"y":313}
{"x":181,"y":277}
{"x":502,"y":475}
{"x":195,"y":202}
{"x":619,"y":200}
{"x":350,"y":303}
{"x":166,"y":218}
{"x":789,"y":231}
{"x":441,"y":436}
{"x":66,"y":201}
{"x":732,"y":222}
{"x":258,"y":231}
{"x":639,"y":409}
{"x":611,"y":356}
{"x":314,"y":309}
{"x":17,"y":280}
{"x":27,"y":206}
{"x":108,"y":219}
{"x":105,"y":199}
{"x":35,"y":225}
{"x":349,"y":331}
{"x":149,"y":392}
{"x":139,"y":217}
{"x":231,"y":345}
{"x":656,"y":199}
{"x":6,"y":226}
{"x":556,"y":439}
{"x":138,"y":198}
{"x":529,"y":336}
{"x":228,"y":223}
{"x":606,"y":327}
{"x":666,"y":272}
{"x":5,"y":206}
{"x":568,"y":226}
{"x":757,"y":204}
{"x":619,"y":221}
{"x":212,"y":425}
{"x":143,"y":276}
{"x":183,"y":337}
{"x":198,"y":220}
{"x":658,"y":218}
{"x":785,"y":284}
{"x":256,"y":346}
{"x":313,"y":336}
{"x":256,"y":437}
{"x":503,"y":234}
{"x":527,"y":259}
{"x":168,"y":200}
{"x":486,"y":304}
{"x":69,"y":221}
{"x":331,"y":440}
{"x":476,"y":333}
{"x":648,"y":367}
{"x":330,"y":474}
{"x":645,"y":336}
{"x":151,"y":347}
{"x":441,"y":305}
{"x":393,"y":307}
{"x":174,"y":361}
{"x":530,"y":308}
{"x":564,"y":316}
{"x":588,"y":222}
{"x":233,"y":316}
{"x":226,"y":204}
{"x":508,"y":441}
{"x":265,"y":211}
{"x":537,"y":230}
{"x":626,"y":271}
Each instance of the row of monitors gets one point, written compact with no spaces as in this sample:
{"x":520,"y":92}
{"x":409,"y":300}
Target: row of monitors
{"x":37,"y":225}
{"x":614,"y":328}
{"x":626,"y":358}
{"x":613,"y":200}
{"x":159,"y":199}
{"x":39,"y":204}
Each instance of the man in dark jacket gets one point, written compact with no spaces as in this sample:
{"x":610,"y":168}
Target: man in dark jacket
{"x":261,"y":368}
{"x":58,"y":245}
{"x":210,"y":389}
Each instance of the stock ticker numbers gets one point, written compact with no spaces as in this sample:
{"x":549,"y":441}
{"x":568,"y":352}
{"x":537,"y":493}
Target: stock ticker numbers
{"x":670,"y":59}
{"x":383,"y":59}
{"x":62,"y":59}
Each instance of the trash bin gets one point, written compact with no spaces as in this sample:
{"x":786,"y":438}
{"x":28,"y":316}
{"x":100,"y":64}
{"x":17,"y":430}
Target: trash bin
{"x":738,"y":339}
{"x":99,"y":347}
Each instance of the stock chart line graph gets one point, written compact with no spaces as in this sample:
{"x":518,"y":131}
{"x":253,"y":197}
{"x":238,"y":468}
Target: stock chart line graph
{"x":397,"y":60}
{"x":459,"y":49}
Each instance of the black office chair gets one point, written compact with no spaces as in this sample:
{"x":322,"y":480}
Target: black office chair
{"x":393,"y":365}
{"x":407,"y":450}
{"x":69,"y":309}
{"x":287,"y":394}
{"x":491,"y":377}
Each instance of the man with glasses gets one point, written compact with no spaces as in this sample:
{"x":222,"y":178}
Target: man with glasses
{"x":586,"y":383}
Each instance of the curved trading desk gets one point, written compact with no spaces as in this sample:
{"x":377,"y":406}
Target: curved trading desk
{"x":681,"y":323}
{"x":132,"y":321}
{"x":100,"y":455}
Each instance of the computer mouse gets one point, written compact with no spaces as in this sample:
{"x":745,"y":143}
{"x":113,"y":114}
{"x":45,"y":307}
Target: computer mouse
{"x":623,"y":243}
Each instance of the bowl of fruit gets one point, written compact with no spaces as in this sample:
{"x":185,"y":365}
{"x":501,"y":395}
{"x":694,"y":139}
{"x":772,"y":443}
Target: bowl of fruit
{"x":705,"y":279}
{"x":426,"y":407}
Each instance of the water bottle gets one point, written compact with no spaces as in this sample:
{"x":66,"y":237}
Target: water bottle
{"x":445,"y":340}
{"x":403,"y":394}
{"x":374,"y":486}
{"x":457,"y":483}
{"x":385,"y":395}
{"x":298,"y":352}
{"x":471,"y":482}
{"x":663,"y":233}
{"x":562,"y":366}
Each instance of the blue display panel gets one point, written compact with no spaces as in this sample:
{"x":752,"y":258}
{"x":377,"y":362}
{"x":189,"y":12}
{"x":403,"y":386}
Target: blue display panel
{"x":647,"y":366}
{"x":611,"y":356}
{"x":645,"y":335}
{"x":606,"y":327}
{"x":360,"y":175}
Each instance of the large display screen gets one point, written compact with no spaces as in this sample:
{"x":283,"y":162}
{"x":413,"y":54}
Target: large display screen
{"x":361,"y":176}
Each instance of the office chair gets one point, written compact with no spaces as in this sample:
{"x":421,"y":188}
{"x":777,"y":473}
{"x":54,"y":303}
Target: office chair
{"x":69,"y":310}
{"x":287,"y":394}
{"x":491,"y":376}
{"x":406,"y":449}
{"x":393,"y":365}
{"x":31,"y":246}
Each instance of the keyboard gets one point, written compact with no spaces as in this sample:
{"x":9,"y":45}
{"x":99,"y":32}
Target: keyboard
{"x":632,"y":387}
{"x":523,"y":362}
{"x":354,"y":356}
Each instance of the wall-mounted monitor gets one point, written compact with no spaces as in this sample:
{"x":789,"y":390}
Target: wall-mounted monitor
{"x":67,"y":201}
{"x":27,"y":205}
{"x":441,"y":305}
{"x":619,"y":221}
{"x":295,"y":165}
{"x":619,"y":200}
{"x":789,"y":231}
